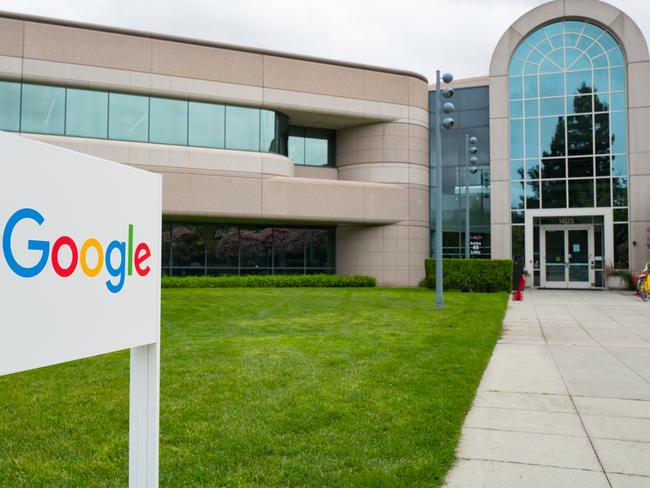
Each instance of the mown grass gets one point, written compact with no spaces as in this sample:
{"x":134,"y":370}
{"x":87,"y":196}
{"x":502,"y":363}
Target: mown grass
{"x":267,"y":387}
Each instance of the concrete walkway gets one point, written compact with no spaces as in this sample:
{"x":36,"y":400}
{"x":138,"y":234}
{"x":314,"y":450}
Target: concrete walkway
{"x":565,"y":400}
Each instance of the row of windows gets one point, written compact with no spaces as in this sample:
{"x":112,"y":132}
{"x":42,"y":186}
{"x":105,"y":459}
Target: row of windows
{"x":574,"y":104}
{"x":570,"y":83}
{"x":573,"y":167}
{"x":192,"y":248}
{"x":45,"y":109}
{"x":573,"y":135}
{"x":573,"y":193}
{"x":108,"y":115}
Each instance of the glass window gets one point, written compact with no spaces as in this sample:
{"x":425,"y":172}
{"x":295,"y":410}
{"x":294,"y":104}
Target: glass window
{"x":581,"y":193}
{"x":532,"y":194}
{"x":551,"y":106}
{"x":532,"y":169}
{"x":619,"y":192}
{"x":579,"y":104}
{"x":10,"y":103}
{"x":578,"y":82}
{"x":297,"y":145}
{"x":601,"y":133}
{"x":268,"y":133}
{"x":579,"y":135}
{"x":516,"y":91}
{"x":530,"y":107}
{"x":222,"y":245}
{"x":553,"y":168}
{"x":619,"y":165}
{"x":518,"y":217}
{"x":517,"y":194}
{"x":620,"y":215}
{"x":317,"y":147}
{"x":601,"y":80}
{"x":320,"y":248}
{"x":621,"y":246}
{"x":617,"y":101}
{"x":579,"y":167}
{"x":603,"y":192}
{"x":128,"y":117}
{"x":207,"y":125}
{"x":288,"y":248}
{"x":168,"y":121}
{"x":516,"y":139}
{"x":242,"y":128}
{"x":255,"y":248}
{"x":530,"y":87}
{"x":602,"y":166}
{"x":552,"y":136}
{"x":43,"y":109}
{"x":516,"y":109}
{"x":618,"y":132}
{"x":86,"y":113}
{"x":554,"y":194}
{"x":188,"y":246}
{"x":551,"y":85}
{"x":517,"y":169}
{"x":532,"y":138}
{"x":617,"y":79}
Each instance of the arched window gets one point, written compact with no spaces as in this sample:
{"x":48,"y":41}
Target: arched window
{"x":568,"y":122}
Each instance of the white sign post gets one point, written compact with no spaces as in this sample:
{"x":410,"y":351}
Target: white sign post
{"x":80,"y":273}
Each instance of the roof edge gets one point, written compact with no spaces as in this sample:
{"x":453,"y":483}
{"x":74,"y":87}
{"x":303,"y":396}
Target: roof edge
{"x":206,"y":43}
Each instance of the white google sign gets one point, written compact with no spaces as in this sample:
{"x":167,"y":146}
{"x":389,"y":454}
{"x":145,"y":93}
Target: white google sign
{"x":80,"y":273}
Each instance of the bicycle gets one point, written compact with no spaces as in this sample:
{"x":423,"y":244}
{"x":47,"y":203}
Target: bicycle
{"x":642,"y":282}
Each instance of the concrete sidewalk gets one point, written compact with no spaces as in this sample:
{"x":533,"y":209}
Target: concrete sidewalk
{"x":565,"y":400}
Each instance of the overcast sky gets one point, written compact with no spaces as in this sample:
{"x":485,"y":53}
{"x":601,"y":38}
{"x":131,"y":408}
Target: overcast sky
{"x":416,"y":35}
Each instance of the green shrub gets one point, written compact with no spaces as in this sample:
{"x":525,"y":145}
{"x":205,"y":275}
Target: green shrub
{"x":471,"y":274}
{"x":268,"y":281}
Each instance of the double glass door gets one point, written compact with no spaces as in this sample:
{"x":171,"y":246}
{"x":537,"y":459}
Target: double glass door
{"x":567,"y":254}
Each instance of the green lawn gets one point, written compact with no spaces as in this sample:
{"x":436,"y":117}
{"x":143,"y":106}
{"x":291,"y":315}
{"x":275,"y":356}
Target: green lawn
{"x":267,"y":387}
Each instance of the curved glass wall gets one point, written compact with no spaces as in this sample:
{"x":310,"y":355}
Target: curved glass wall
{"x":568,"y":126}
{"x":46,"y":109}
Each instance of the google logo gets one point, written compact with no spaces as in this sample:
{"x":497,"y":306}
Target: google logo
{"x":128,"y":258}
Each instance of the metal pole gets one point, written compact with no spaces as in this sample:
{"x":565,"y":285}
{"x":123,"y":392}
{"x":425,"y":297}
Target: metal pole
{"x":467,"y":196}
{"x":439,"y":303}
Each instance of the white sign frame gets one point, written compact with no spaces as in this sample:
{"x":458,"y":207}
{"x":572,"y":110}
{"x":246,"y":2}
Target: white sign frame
{"x":61,"y":299}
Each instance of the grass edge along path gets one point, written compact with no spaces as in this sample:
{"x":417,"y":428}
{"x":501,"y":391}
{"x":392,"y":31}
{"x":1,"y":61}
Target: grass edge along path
{"x":267,"y":387}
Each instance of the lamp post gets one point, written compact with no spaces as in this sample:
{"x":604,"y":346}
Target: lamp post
{"x":447,"y":123}
{"x":470,"y":167}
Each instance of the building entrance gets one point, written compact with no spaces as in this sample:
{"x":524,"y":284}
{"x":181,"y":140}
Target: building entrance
{"x":567,"y":256}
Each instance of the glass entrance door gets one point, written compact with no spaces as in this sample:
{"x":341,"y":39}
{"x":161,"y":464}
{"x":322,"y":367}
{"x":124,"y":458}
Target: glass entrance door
{"x":567,"y":254}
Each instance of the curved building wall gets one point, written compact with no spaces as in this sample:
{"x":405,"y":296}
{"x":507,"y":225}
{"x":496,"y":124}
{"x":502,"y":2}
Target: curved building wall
{"x":395,"y":153}
{"x":632,"y":121}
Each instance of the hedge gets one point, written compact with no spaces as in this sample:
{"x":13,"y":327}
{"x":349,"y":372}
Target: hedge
{"x":268,"y":281}
{"x":471,"y":274}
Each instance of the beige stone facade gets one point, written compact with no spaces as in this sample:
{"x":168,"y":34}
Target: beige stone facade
{"x":377,"y":195}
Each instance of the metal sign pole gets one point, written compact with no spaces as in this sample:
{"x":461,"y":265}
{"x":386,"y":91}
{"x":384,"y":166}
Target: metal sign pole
{"x":439,"y":302}
{"x":144,"y":416}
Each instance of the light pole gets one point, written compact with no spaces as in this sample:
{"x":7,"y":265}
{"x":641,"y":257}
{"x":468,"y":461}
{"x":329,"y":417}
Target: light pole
{"x":447,"y":123}
{"x":470,"y":151}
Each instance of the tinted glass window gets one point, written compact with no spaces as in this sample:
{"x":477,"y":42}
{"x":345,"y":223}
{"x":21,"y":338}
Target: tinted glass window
{"x":10,"y":103}
{"x":43,"y":109}
{"x":243,"y":128}
{"x":86,"y":113}
{"x":207,"y":124}
{"x":168,"y":121}
{"x":128,"y":117}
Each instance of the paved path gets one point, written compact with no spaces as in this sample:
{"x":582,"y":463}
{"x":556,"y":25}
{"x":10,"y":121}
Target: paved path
{"x":565,"y":400}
